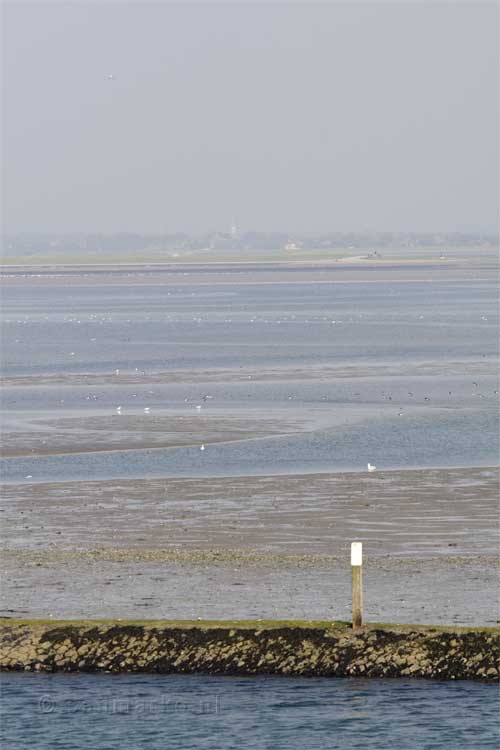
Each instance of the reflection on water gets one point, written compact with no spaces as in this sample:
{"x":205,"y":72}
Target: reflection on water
{"x":446,"y":416}
{"x":54,"y":328}
{"x":418,"y":441}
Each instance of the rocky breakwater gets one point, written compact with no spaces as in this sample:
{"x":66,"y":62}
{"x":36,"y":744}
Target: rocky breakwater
{"x":286,"y":648}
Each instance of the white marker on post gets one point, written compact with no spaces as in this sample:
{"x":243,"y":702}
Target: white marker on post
{"x":356,"y":553}
{"x":357,"y":584}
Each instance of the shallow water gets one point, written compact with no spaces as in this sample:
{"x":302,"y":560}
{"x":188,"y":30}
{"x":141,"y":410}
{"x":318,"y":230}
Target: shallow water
{"x":178,"y":712}
{"x":435,"y":440}
{"x":87,"y":328}
{"x":441,"y":412}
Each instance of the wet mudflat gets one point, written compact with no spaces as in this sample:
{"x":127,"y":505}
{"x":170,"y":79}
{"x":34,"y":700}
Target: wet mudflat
{"x":40,"y":435}
{"x":255,"y":547}
{"x":446,"y":590}
{"x":193,"y":441}
{"x":402,"y":513}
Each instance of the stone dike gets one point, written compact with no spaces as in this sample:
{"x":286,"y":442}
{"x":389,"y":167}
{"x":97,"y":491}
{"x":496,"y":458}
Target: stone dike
{"x":247,"y":648}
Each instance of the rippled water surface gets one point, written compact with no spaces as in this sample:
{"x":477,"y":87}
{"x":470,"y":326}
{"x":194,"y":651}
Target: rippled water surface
{"x":416,"y":386}
{"x":56,"y":327}
{"x":177,"y":712}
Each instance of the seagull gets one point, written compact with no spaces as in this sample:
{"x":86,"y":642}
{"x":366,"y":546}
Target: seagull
{"x":202,"y":447}
{"x":198,"y":407}
{"x":371,"y":467}
{"x":147,"y":409}
{"x":110,"y":77}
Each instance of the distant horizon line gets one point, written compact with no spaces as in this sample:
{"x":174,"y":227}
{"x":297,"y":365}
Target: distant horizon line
{"x":208,"y":232}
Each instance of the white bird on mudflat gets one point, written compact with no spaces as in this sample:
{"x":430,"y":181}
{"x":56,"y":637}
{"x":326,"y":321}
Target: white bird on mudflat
{"x":202,"y":447}
{"x":371,"y":467}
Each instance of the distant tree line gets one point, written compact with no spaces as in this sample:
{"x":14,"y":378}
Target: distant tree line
{"x":29,"y":243}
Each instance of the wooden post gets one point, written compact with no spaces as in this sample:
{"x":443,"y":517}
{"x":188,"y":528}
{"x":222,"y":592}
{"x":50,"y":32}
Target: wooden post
{"x":357,"y":584}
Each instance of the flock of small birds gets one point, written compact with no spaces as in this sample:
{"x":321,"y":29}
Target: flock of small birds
{"x":371,"y":468}
{"x":290,"y":397}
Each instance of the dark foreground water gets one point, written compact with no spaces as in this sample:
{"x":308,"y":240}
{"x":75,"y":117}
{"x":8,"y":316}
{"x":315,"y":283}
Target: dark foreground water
{"x":156,"y":711}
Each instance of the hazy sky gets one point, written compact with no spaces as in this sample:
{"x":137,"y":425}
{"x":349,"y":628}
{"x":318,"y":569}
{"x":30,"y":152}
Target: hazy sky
{"x":298,"y":116}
